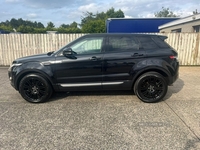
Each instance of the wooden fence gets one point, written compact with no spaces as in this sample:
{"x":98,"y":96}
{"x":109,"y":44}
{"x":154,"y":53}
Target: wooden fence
{"x":13,"y":46}
{"x":187,"y":45}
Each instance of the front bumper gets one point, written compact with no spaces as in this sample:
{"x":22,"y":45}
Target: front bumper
{"x":11,"y":76}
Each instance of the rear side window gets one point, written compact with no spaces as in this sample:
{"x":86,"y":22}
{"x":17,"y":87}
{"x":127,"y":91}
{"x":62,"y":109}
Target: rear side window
{"x":122,"y":43}
{"x":147,"y":42}
{"x":160,"y":42}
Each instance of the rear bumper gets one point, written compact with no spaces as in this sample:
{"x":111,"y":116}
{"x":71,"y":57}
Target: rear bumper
{"x":174,"y":78}
{"x":175,"y":75}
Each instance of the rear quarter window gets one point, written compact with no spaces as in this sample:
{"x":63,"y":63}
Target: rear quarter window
{"x":147,"y":42}
{"x":161,"y":43}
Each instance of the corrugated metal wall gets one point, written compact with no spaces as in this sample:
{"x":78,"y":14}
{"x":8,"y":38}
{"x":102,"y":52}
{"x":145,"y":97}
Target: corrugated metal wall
{"x":13,"y":46}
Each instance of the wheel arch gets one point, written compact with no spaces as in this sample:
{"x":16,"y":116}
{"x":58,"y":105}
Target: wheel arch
{"x":38,"y":72}
{"x":158,"y":70}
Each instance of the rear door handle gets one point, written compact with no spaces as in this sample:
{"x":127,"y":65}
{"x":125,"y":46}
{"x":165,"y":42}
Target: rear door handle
{"x":137,"y":54}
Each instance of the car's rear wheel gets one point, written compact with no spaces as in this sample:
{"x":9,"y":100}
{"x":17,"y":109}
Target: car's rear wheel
{"x":150,"y":87}
{"x":35,"y":88}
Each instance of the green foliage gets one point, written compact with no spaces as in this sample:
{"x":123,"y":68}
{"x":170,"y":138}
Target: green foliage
{"x":16,"y":23}
{"x":40,"y":30}
{"x":165,"y":12}
{"x":6,"y":28}
{"x":90,"y":23}
{"x":23,"y":26}
{"x":111,"y":13}
{"x":73,"y":25}
{"x":25,"y":29}
{"x":68,"y":30}
{"x":95,"y":23}
{"x":50,"y":25}
{"x":94,"y":26}
{"x":64,"y":26}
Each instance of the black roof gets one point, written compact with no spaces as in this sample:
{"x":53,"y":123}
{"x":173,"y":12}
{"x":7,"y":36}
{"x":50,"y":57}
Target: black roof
{"x":136,"y":34}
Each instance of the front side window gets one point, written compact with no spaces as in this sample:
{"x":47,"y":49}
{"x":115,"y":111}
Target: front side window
{"x":122,"y":43}
{"x":88,"y":45}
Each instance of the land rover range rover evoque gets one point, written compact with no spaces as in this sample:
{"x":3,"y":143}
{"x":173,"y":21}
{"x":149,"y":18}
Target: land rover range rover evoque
{"x":143,"y":63}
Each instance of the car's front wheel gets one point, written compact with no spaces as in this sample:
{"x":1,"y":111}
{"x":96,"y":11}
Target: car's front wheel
{"x":150,"y":87}
{"x":35,"y":88}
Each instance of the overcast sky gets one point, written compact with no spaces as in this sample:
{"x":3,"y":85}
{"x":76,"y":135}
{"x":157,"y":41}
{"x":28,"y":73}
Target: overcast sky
{"x":67,"y":11}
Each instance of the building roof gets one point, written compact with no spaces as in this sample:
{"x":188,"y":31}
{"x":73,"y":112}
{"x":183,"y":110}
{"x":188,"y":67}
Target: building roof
{"x":153,"y":18}
{"x":181,"y":21}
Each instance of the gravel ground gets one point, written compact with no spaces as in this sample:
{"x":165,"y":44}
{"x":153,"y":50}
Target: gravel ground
{"x":103,"y":120}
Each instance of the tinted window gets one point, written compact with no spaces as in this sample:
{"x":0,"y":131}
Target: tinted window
{"x":160,"y":42}
{"x":122,"y":43}
{"x":147,"y":43}
{"x":88,"y":45}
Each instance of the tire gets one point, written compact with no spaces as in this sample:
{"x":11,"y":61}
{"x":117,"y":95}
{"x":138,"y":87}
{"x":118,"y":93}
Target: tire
{"x":35,"y":88}
{"x":150,"y":87}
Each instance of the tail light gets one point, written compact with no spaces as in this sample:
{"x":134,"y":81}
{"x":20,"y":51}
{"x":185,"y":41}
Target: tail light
{"x":173,"y":57}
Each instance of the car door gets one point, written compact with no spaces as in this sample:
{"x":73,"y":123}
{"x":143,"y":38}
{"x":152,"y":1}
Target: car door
{"x":121,"y":54}
{"x":83,"y":71}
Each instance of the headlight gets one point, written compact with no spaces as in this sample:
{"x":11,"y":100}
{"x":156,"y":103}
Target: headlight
{"x":14,"y":65}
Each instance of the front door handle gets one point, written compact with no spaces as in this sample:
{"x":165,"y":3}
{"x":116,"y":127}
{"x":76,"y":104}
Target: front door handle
{"x":94,"y":58}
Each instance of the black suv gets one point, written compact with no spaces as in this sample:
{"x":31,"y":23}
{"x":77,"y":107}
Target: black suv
{"x":140,"y":62}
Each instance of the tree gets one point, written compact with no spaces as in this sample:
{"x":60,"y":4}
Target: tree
{"x":64,"y":25}
{"x":73,"y":25}
{"x":94,"y":26}
{"x":40,"y":30}
{"x":19,"y":24}
{"x":90,"y":23}
{"x":88,"y":16}
{"x":69,"y":28}
{"x":40,"y":25}
{"x":95,"y":23}
{"x":111,"y":13}
{"x":7,"y":28}
{"x":50,"y":25}
{"x":165,"y":12}
{"x":25,"y":29}
{"x":14,"y":23}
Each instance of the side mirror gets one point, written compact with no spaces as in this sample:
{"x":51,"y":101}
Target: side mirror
{"x":69,"y":53}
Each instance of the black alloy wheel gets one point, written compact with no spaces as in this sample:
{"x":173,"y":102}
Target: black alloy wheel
{"x":34,"y":88}
{"x":150,"y":87}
